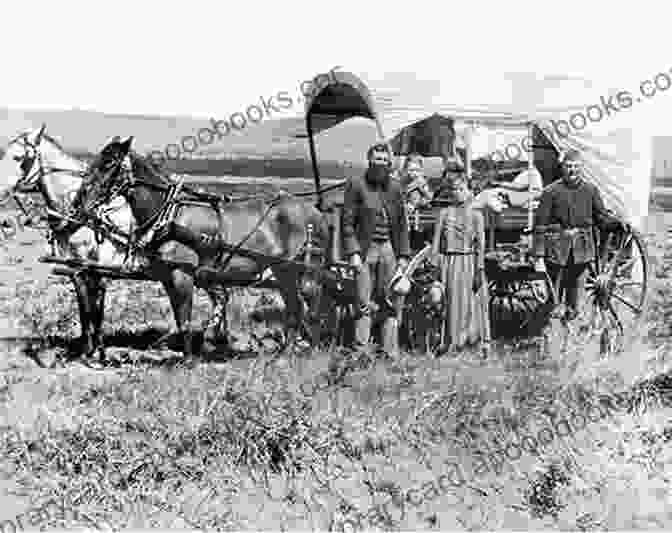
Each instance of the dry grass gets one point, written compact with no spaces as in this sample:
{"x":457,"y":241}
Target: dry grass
{"x":240,"y":445}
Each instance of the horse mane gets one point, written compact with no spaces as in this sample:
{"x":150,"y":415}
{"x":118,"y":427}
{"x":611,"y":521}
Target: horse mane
{"x":143,"y":167}
{"x":95,"y":163}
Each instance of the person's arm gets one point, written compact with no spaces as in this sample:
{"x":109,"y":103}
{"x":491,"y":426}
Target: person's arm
{"x":427,"y":190}
{"x":351,"y":202}
{"x":479,"y":250}
{"x":436,"y":241}
{"x":404,"y":241}
{"x":479,"y":240}
{"x":604,"y":220}
{"x":542,"y":218}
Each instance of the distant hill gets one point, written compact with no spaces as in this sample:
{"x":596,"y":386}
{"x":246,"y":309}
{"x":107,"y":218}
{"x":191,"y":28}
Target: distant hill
{"x":85,"y":132}
{"x":265,"y":149}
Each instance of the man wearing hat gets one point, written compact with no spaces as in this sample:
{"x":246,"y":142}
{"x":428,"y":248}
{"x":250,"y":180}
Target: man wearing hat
{"x":569,"y":209}
{"x":375,"y":238}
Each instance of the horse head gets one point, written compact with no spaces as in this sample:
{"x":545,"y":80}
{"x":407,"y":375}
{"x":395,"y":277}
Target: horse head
{"x":21,"y":164}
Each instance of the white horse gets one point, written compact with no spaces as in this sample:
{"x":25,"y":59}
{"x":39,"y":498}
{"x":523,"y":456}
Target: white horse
{"x":34,"y":161}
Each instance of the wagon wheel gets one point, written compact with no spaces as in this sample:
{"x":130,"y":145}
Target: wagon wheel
{"x":520,"y":307}
{"x":422,"y":322}
{"x":616,"y":286}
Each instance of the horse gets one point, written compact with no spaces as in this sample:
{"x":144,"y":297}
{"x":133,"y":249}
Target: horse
{"x":190,"y":236}
{"x":35,"y":162}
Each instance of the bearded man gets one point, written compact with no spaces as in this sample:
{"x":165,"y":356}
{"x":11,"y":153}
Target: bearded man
{"x":376,"y":240}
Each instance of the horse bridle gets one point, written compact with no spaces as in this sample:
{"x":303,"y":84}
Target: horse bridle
{"x":25,"y":182}
{"x":26,"y":164}
{"x":34,"y":157}
{"x":119,"y":186}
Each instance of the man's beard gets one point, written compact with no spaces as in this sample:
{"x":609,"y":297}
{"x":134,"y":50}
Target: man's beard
{"x":571,"y":178}
{"x":378,"y":174}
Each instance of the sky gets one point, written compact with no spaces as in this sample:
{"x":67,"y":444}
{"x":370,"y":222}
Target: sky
{"x":205,"y":59}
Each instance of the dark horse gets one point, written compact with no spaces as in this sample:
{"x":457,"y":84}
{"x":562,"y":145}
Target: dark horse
{"x":192,"y":236}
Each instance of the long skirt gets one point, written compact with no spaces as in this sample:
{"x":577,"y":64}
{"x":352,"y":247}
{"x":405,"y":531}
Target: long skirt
{"x":467,"y":320}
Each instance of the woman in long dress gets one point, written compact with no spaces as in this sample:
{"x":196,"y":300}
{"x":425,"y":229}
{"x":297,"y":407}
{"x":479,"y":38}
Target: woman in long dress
{"x":459,"y":246}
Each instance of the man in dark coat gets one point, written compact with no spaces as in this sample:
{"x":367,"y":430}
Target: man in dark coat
{"x":569,"y":210}
{"x":375,"y":238}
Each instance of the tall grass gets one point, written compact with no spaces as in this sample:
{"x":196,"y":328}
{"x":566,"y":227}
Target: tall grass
{"x":241,"y":445}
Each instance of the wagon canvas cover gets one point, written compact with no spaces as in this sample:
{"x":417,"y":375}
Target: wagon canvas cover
{"x":493,"y":112}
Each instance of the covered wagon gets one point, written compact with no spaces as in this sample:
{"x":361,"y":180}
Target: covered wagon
{"x":509,"y":128}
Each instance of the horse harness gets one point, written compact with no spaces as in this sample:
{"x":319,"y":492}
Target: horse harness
{"x":157,"y":226}
{"x":152,"y":232}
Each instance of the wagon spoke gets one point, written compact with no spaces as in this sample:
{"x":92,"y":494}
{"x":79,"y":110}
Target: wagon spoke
{"x":524,"y":298}
{"x":624,"y":283}
{"x":529,"y":314}
{"x":630,"y":305}
{"x":629,"y":263}
{"x":509,"y":298}
{"x":604,"y":258}
{"x":627,"y":241}
{"x":526,"y":304}
{"x":612,"y":311}
{"x":602,"y":317}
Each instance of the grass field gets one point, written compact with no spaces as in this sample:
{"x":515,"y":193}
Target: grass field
{"x":280,"y":441}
